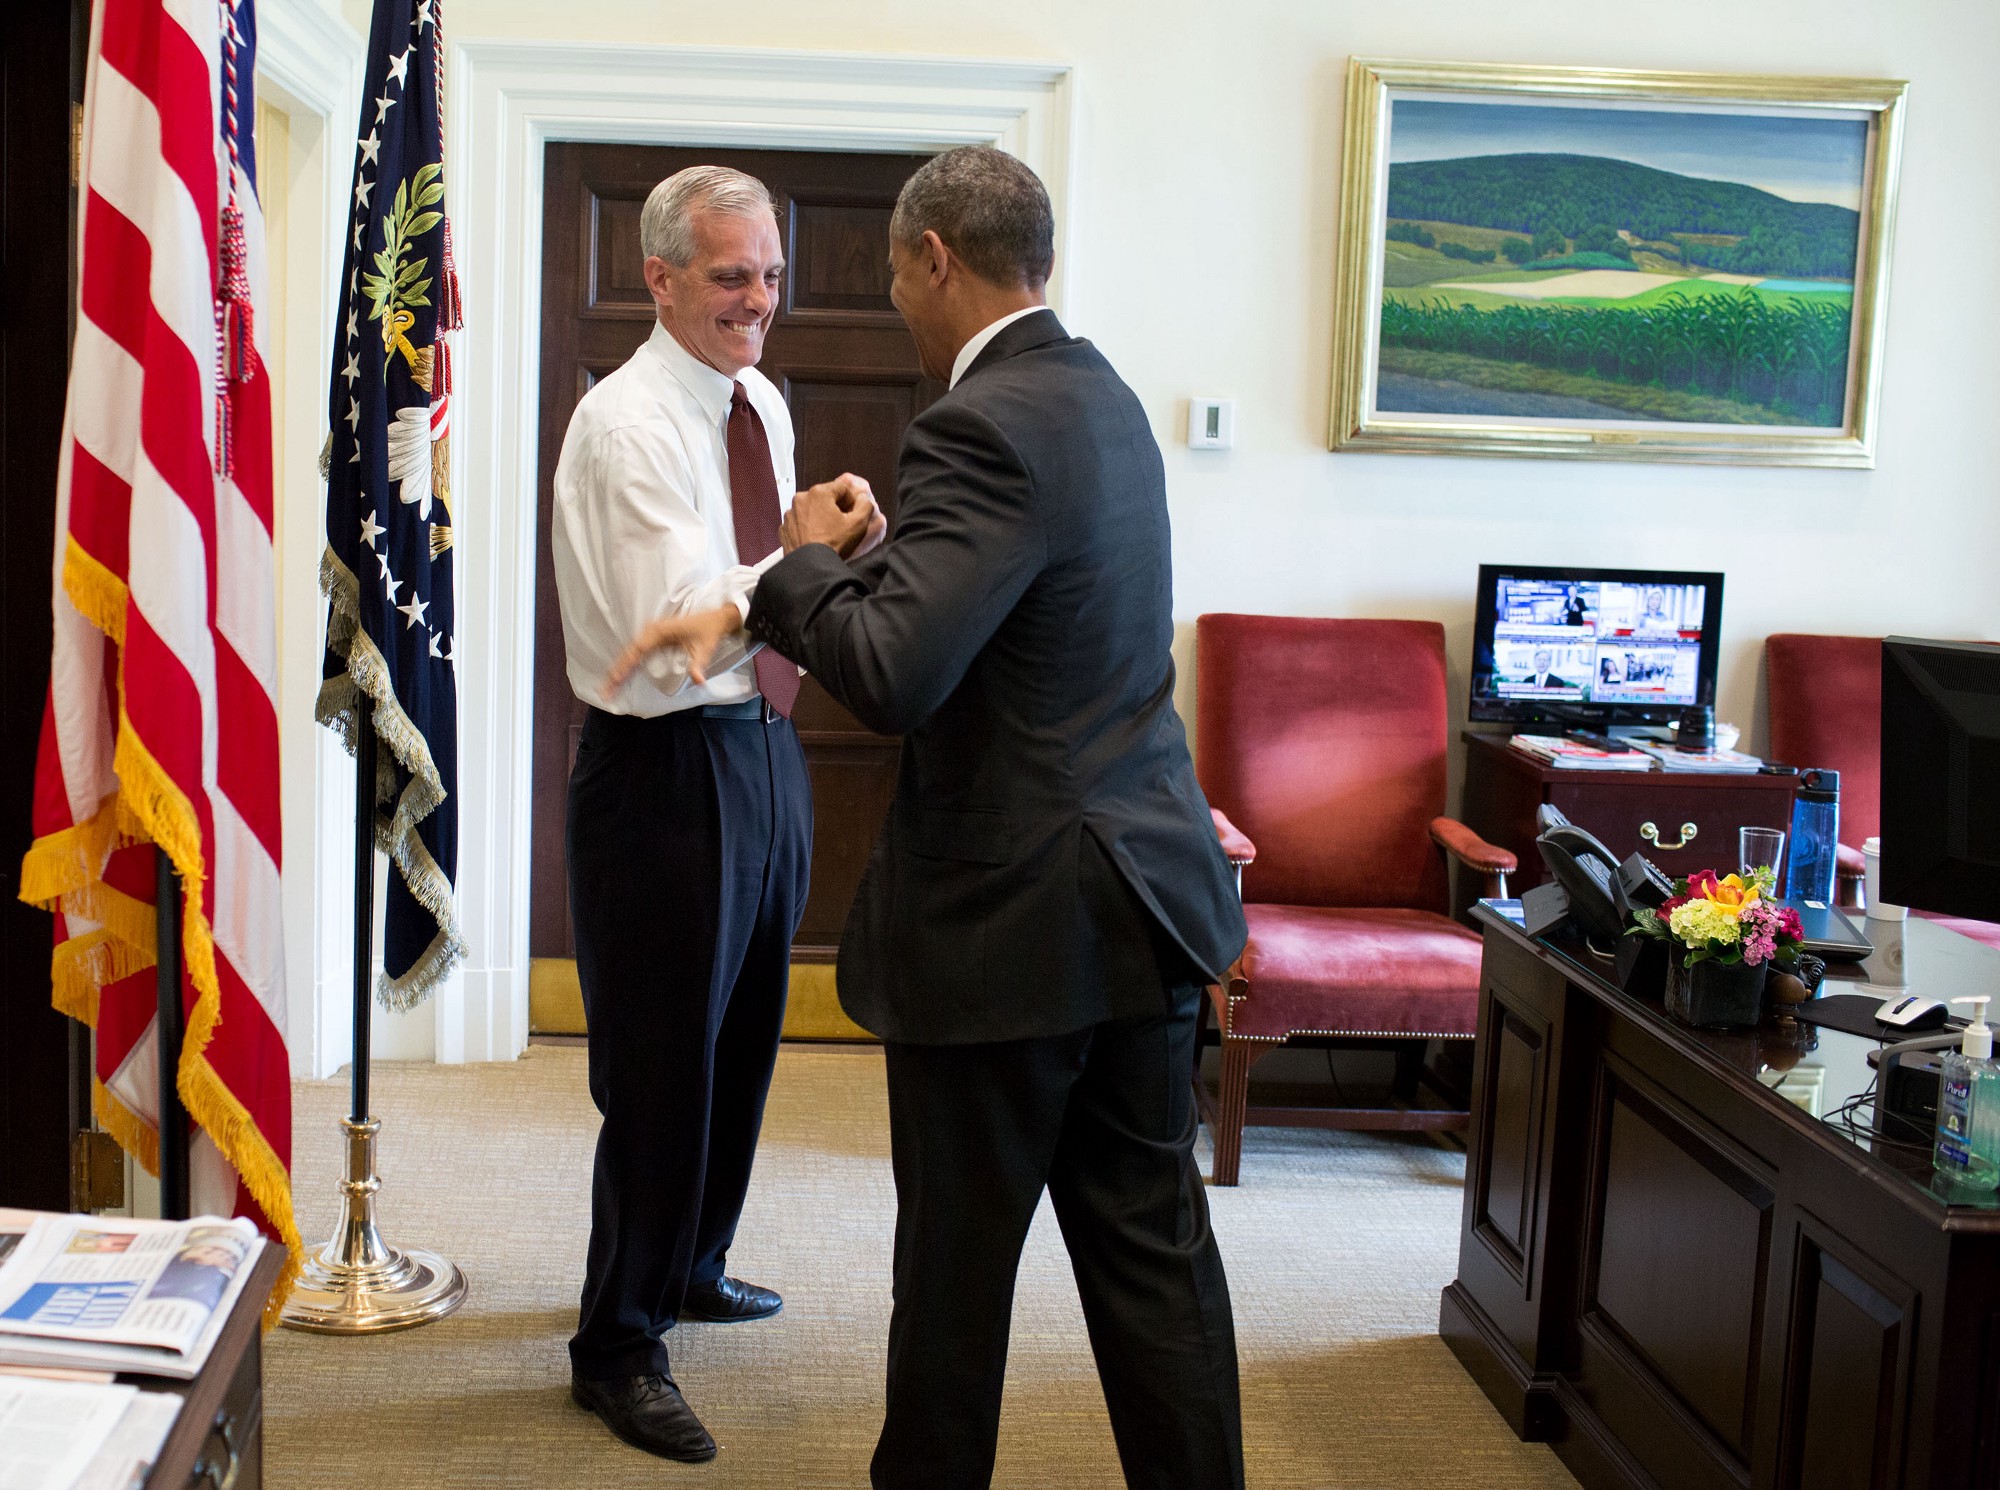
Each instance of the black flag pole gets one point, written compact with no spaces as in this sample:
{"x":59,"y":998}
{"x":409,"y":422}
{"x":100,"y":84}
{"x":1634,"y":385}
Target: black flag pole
{"x":169,"y":1027}
{"x":364,"y":906}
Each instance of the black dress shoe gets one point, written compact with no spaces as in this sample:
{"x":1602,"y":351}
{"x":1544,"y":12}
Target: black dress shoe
{"x":649,"y":1413}
{"x":728,"y":1300}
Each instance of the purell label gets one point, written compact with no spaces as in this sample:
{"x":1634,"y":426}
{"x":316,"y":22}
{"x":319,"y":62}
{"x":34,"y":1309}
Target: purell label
{"x":1954,"y":1125}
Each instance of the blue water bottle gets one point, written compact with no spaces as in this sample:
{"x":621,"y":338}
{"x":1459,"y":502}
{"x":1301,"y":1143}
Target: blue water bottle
{"x":1815,"y":839}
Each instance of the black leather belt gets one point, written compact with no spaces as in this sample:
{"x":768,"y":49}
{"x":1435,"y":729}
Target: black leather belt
{"x":751,"y":708}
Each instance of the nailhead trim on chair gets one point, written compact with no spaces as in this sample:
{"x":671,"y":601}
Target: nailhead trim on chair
{"x":1373,"y":1034}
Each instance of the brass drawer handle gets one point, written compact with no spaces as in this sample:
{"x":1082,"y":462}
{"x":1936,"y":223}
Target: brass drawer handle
{"x":219,"y":1476}
{"x":1651,"y":833}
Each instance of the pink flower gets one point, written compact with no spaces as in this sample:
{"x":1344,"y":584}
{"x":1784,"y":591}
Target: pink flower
{"x":1788,"y":923}
{"x":1761,"y":926}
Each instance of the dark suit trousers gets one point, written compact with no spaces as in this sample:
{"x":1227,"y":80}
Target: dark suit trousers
{"x":690,"y":839}
{"x":1104,"y":1119}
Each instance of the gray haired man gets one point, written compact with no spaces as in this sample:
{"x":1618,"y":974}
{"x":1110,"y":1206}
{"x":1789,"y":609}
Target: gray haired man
{"x":690,"y":816}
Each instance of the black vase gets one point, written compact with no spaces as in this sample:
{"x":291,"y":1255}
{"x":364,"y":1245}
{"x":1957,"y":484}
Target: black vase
{"x":1715,"y":995}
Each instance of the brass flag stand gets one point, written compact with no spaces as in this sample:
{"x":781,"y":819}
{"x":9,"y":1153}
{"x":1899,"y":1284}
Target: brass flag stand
{"x":357,"y":1284}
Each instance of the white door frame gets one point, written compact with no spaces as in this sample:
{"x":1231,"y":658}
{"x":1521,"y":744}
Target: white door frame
{"x":508,"y":99}
{"x":309,"y":66}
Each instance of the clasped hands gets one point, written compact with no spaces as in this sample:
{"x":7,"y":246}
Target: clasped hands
{"x":840,"y":513}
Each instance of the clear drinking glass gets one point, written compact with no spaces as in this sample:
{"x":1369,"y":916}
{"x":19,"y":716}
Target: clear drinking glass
{"x":1759,"y":848}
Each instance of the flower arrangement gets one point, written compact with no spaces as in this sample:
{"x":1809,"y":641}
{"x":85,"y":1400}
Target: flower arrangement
{"x":1725,"y":919}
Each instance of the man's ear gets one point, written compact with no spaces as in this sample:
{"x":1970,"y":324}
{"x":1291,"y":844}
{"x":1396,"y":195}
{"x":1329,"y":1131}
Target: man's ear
{"x":938,"y":259}
{"x":657,"y":281}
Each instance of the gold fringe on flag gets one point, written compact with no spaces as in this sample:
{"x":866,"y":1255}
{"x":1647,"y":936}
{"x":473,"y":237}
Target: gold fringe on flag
{"x":64,"y":871}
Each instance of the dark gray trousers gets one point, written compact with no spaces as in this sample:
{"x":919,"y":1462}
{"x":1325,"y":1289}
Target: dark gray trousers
{"x":1104,"y":1119}
{"x":690,"y":842}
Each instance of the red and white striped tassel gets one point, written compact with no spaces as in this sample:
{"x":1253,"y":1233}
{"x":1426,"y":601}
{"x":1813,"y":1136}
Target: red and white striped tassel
{"x":222,"y":425}
{"x":238,"y":346}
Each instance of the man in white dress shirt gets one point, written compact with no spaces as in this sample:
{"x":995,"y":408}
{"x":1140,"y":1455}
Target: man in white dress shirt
{"x":690,"y":814}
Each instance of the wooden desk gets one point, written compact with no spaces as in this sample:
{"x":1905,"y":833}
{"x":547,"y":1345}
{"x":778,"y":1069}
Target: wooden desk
{"x":219,"y":1438}
{"x":1504,"y":787}
{"x":1684,"y":1280}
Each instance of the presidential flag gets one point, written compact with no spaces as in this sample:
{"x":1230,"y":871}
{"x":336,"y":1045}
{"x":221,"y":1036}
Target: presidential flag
{"x":159,"y":735}
{"x":387,"y":572}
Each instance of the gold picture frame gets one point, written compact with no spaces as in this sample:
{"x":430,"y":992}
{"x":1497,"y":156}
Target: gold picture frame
{"x":1716,"y":341}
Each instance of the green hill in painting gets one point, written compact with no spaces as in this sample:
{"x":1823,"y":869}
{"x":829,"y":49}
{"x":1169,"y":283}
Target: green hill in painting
{"x":1527,"y":194}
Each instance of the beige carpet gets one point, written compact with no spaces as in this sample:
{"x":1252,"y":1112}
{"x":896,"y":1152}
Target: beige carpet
{"x":1337,"y":1246}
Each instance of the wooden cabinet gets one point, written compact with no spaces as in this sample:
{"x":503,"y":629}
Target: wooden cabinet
{"x":1684,"y":1280}
{"x":1681,"y":821}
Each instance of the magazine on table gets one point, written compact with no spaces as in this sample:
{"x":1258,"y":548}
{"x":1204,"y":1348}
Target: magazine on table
{"x":1573,"y":755}
{"x":118,"y":1294}
{"x":1672,"y":758}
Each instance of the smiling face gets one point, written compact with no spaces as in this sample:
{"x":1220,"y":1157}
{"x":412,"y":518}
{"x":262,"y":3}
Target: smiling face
{"x":1544,"y":660}
{"x":721,"y":302}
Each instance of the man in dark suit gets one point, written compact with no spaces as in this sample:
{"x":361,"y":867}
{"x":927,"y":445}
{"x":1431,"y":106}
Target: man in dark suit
{"x":1047,"y":898}
{"x":1542,"y":676}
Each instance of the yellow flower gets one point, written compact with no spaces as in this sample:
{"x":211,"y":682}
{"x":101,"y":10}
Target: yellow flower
{"x":1730,"y":893}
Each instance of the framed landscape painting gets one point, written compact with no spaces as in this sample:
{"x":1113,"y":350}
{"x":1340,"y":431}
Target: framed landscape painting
{"x":1624,"y":265}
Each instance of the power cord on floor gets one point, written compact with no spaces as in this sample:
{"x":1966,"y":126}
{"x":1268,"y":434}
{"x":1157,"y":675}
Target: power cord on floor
{"x":1334,"y":1077}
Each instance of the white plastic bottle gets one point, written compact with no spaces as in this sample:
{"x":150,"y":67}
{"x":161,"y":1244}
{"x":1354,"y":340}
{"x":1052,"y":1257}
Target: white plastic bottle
{"x":1968,"y":1110}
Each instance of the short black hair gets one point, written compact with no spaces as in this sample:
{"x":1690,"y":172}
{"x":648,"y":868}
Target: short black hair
{"x":989,"y":209}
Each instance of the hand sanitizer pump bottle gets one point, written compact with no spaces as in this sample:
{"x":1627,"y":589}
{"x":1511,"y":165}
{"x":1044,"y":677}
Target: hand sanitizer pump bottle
{"x":1968,"y":1105}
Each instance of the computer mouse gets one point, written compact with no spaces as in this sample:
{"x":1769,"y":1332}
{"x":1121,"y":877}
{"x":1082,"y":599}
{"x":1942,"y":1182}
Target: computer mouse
{"x":1908,"y":1011}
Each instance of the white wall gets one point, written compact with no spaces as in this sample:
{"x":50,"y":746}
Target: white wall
{"x":1201,"y":260}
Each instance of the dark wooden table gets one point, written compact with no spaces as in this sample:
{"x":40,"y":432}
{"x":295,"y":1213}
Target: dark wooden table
{"x":1694,"y":816}
{"x":218,"y":1439}
{"x":1673,"y":1270}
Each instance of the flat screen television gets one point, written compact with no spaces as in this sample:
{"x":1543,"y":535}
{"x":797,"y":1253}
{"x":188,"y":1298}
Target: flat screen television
{"x":1596,"y":647}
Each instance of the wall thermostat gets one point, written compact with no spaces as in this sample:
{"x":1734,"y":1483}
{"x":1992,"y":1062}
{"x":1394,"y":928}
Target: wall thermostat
{"x":1211,"y":423}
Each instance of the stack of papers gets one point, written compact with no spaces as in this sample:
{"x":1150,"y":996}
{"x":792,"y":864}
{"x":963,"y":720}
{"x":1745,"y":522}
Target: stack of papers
{"x":1569,"y":755}
{"x":99,"y":1293}
{"x":79,"y":1435}
{"x":1732,"y":761}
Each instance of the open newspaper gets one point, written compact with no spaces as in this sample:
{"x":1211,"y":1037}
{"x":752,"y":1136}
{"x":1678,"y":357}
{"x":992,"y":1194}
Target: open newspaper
{"x":80,"y":1435}
{"x":110,"y":1294}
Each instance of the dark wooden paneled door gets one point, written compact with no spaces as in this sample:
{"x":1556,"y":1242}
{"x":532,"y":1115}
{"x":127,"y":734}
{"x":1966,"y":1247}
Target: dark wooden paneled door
{"x":848,"y":369}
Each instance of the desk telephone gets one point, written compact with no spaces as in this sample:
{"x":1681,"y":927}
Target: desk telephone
{"x":1593,"y":889}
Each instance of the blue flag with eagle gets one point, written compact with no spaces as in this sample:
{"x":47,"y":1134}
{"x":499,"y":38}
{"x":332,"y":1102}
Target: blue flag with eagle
{"x":387,"y":572}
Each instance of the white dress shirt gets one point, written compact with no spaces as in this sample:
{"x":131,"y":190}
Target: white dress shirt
{"x":643,"y":525}
{"x":980,"y":338}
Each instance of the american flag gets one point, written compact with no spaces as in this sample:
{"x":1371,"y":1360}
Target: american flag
{"x":160,"y":734}
{"x":387,"y":570}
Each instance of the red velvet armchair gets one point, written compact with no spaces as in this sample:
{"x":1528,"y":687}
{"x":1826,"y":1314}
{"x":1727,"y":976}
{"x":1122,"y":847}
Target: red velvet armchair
{"x":1321,"y":745}
{"x":1826,"y":710}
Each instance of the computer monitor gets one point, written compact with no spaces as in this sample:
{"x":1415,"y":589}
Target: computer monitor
{"x":1941,"y":777}
{"x":1593,"y":646}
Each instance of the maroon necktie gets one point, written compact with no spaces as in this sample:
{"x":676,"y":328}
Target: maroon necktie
{"x":753,"y":501}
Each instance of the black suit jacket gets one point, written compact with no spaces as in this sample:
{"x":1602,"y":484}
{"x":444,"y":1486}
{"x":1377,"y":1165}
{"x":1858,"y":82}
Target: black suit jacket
{"x":1015,"y":629}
